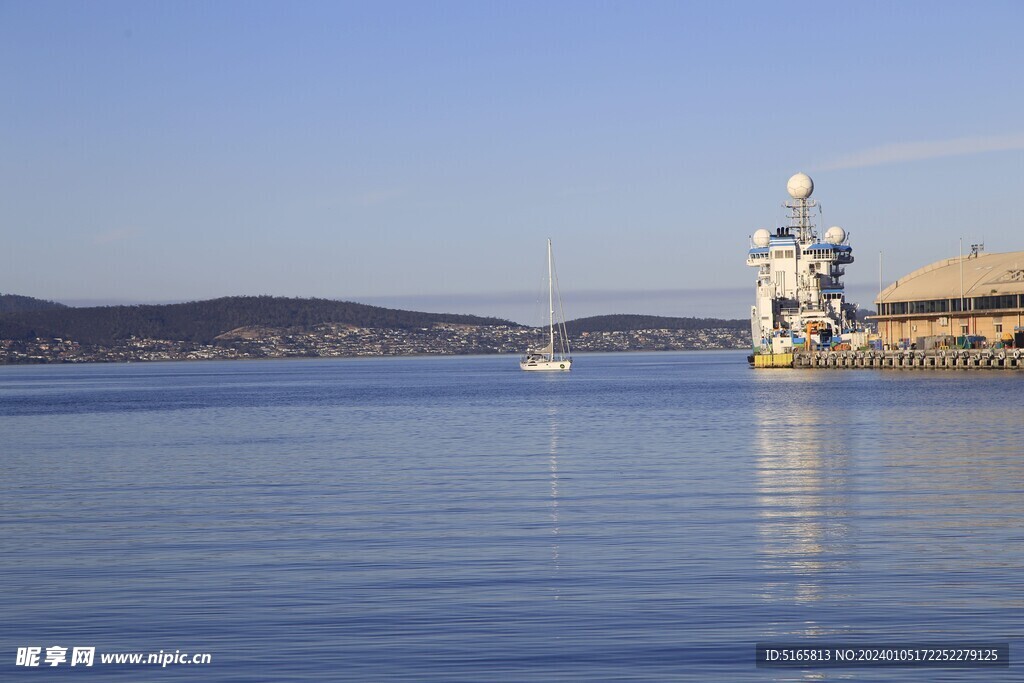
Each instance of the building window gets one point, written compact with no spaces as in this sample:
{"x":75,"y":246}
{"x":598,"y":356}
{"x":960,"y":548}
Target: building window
{"x":933,"y":306}
{"x":963,"y":329}
{"x":999,"y":327}
{"x":984,"y":303}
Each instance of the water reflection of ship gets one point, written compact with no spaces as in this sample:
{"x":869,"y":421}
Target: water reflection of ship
{"x":801,"y":517}
{"x":803,"y":510}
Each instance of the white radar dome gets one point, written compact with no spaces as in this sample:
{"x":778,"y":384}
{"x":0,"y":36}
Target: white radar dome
{"x":835,"y":235}
{"x":761,"y":238}
{"x":800,"y":186}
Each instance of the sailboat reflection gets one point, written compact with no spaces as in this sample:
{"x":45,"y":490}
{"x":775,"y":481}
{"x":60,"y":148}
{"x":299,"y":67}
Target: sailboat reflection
{"x":553,"y":438}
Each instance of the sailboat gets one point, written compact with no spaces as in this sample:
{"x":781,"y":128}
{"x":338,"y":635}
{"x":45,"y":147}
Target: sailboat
{"x":547,"y":359}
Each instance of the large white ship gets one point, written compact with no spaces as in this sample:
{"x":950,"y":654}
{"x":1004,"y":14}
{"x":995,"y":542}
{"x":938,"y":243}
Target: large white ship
{"x":801,"y":301}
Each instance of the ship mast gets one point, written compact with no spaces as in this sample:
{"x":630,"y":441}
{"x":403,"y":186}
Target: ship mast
{"x":800,"y":187}
{"x":551,"y":306}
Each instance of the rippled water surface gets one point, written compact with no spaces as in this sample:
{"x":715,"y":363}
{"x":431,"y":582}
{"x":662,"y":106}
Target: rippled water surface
{"x":647,"y":518}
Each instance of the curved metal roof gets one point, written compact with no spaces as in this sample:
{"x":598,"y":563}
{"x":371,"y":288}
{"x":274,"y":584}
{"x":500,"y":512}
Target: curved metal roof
{"x":983,"y":275}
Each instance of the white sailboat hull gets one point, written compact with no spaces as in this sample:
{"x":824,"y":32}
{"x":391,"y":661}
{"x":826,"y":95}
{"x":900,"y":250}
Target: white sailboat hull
{"x":546,"y":365}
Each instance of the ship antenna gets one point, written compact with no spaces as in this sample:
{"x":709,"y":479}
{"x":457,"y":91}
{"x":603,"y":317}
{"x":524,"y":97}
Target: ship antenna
{"x":800,"y":187}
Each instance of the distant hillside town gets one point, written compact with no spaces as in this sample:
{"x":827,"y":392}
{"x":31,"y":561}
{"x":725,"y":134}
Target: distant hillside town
{"x":275,"y":327}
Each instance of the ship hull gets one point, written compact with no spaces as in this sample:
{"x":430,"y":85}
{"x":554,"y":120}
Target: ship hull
{"x":546,"y":365}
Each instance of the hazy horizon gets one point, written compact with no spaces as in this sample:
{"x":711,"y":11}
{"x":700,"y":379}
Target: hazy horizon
{"x":528,"y":309}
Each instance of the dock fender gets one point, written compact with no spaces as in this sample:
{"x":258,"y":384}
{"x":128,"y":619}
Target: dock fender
{"x":1016,"y":354}
{"x":1001,"y":355}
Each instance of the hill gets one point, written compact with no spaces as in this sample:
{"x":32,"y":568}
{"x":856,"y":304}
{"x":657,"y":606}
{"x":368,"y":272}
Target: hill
{"x":627,"y":323}
{"x":203,"y":321}
{"x":14,"y":303}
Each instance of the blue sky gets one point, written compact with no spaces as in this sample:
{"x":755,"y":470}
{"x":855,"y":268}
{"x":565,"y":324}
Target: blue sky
{"x":418,"y":154}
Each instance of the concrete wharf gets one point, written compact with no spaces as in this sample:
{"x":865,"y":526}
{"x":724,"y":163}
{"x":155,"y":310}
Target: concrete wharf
{"x":937,"y":359}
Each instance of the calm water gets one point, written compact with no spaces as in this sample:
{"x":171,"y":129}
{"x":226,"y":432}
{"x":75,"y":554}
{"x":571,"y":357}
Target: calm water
{"x":647,"y":518}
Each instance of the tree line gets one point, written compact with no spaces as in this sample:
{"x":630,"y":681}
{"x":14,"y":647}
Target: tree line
{"x":15,"y":303}
{"x":202,"y":321}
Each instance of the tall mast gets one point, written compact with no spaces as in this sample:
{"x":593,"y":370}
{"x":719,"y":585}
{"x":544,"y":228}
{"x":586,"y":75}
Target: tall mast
{"x":551,"y":305}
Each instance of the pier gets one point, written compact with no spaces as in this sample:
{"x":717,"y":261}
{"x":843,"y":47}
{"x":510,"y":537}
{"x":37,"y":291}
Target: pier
{"x":939,"y":359}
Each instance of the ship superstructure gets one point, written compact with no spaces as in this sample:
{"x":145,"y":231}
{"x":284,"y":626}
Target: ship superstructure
{"x":800,"y":298}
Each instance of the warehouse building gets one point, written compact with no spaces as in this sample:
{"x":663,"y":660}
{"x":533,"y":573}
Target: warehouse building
{"x":959,"y":299}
